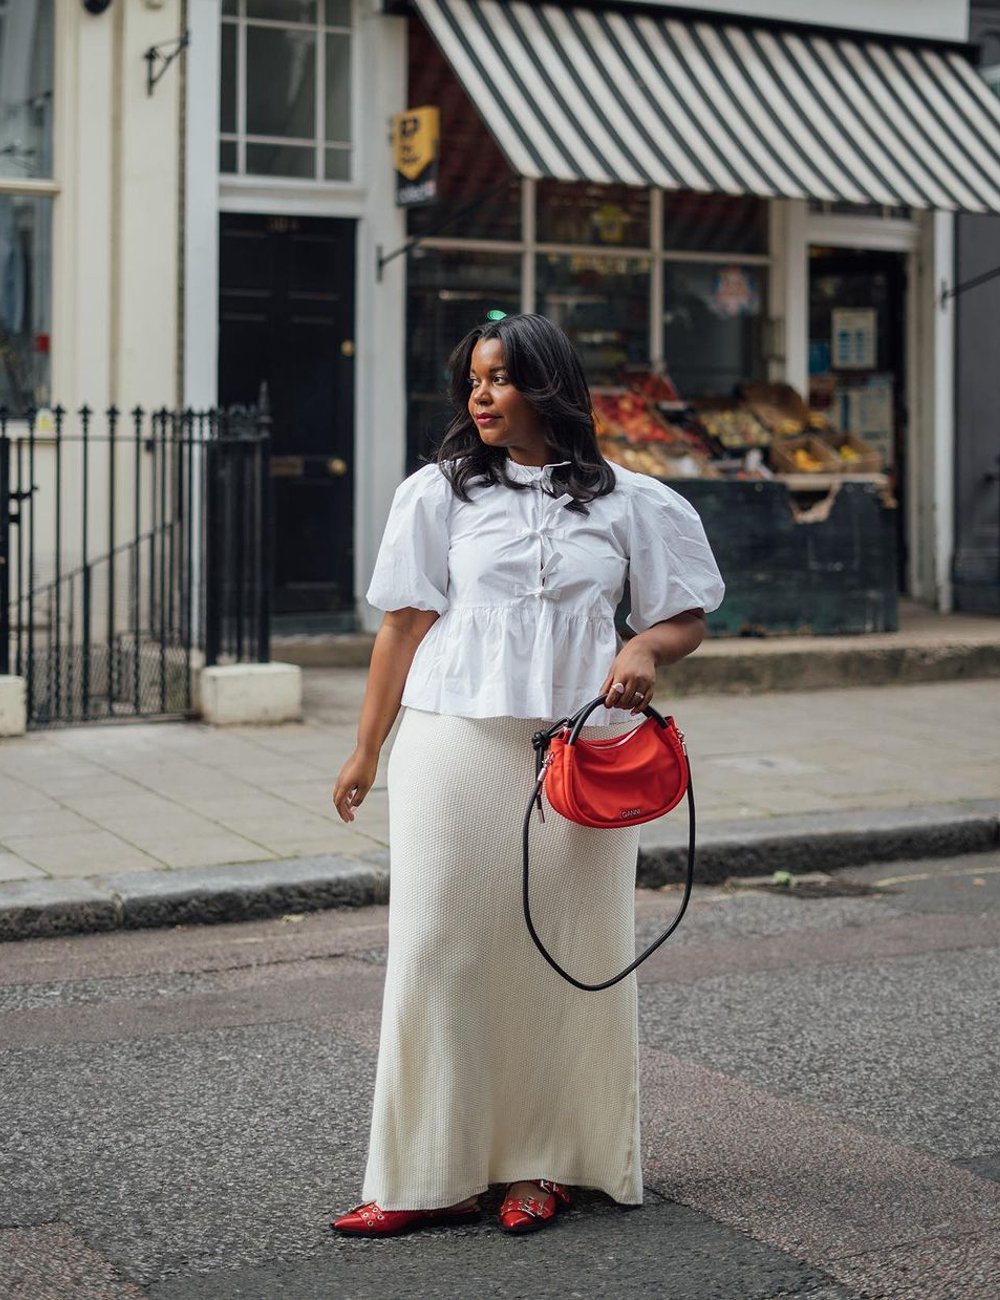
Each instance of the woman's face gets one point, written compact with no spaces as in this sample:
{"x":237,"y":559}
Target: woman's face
{"x":503,"y":417}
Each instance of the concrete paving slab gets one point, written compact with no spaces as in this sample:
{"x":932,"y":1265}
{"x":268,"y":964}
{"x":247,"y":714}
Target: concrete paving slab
{"x":80,"y":854}
{"x":18,"y":796}
{"x":54,"y":820}
{"x":14,"y":868}
{"x":204,"y":850}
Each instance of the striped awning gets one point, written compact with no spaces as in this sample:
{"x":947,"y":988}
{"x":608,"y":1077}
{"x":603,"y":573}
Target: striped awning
{"x":599,"y":94}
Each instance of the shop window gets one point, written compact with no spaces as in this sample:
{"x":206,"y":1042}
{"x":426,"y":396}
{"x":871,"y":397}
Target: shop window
{"x":713,"y":325}
{"x":449,"y":292}
{"x":26,"y":61}
{"x":841,"y":208}
{"x":286,"y":89}
{"x":479,"y":196}
{"x":25,"y":300}
{"x":569,"y":213}
{"x":714,"y":223}
{"x":602,"y":302}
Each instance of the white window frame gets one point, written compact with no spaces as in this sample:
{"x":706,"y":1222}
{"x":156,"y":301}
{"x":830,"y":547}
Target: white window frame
{"x":319,"y":143}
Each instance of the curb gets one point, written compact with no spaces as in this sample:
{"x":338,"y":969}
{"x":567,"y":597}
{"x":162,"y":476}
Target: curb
{"x":35,"y":909}
{"x":818,"y":842}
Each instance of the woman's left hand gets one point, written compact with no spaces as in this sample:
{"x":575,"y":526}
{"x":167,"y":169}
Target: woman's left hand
{"x":634,"y":670}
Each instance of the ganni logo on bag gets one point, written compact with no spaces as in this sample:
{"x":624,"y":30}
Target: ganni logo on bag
{"x":630,"y":812}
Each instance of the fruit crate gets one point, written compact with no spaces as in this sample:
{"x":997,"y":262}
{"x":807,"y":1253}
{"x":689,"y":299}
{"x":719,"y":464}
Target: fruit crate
{"x":863,"y":458}
{"x":783,"y":457}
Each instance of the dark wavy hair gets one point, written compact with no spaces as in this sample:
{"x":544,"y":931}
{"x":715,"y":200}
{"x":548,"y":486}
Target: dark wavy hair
{"x":544,"y":368}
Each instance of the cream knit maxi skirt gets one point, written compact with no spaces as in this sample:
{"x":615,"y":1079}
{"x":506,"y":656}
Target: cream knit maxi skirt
{"x":491,"y":1067}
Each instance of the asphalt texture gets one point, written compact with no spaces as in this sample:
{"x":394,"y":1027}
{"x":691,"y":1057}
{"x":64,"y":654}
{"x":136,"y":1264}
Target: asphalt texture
{"x":184,"y":1109}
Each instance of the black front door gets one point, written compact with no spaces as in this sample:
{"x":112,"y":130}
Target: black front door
{"x":286,"y":319}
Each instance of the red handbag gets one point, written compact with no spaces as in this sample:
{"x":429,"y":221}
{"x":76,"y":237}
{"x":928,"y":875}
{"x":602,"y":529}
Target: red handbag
{"x":610,"y":783}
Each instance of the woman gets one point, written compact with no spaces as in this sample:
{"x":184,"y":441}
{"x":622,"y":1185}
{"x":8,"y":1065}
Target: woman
{"x":500,"y":571}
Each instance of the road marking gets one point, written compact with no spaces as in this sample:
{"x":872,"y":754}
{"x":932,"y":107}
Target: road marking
{"x":934,"y":875}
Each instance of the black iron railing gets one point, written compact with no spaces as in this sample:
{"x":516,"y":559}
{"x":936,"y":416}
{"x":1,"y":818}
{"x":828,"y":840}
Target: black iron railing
{"x":133,"y":547}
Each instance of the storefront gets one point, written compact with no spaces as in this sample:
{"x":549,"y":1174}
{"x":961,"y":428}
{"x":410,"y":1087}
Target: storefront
{"x":710,"y":202}
{"x":780,"y":354}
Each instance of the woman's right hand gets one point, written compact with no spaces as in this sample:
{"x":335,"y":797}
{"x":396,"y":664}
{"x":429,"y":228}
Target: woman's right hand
{"x":356,"y":778}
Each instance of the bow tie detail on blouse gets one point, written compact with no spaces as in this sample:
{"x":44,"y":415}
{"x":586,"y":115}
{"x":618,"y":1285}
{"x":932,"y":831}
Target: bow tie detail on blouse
{"x":549,"y":556}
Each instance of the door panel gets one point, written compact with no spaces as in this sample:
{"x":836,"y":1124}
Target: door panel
{"x":874,"y":282}
{"x":286,"y":311}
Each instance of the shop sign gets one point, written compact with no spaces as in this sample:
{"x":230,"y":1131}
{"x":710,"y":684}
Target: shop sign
{"x":852,"y":338}
{"x":610,"y":223}
{"x":416,"y":137}
{"x":735,"y":293}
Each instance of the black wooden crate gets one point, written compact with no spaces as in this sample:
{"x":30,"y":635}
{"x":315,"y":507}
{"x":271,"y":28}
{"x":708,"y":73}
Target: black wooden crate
{"x":836,"y":575}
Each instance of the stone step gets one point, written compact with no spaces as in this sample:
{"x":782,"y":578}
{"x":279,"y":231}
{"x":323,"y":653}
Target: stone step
{"x":928,"y":647}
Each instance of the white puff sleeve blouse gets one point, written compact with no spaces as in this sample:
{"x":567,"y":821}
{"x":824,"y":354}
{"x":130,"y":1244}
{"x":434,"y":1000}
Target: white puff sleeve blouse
{"x":527,"y":590}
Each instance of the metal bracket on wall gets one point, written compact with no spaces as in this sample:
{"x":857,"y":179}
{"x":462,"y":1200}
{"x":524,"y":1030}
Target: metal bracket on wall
{"x":956,"y":289}
{"x":383,"y":259}
{"x":163,"y":54}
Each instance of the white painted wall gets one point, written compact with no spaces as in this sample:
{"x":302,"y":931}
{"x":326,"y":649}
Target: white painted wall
{"x":937,"y":19}
{"x":148,"y":198}
{"x":790,"y":291}
{"x":380,"y":419}
{"x":115,"y":259}
{"x":932,"y":485}
{"x":115,"y":272}
{"x":201,"y":206}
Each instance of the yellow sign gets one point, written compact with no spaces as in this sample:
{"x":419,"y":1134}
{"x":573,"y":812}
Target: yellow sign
{"x":415,"y":138}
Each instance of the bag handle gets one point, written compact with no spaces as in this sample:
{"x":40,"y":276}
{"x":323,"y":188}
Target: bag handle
{"x":577,"y":721}
{"x":541,"y":742}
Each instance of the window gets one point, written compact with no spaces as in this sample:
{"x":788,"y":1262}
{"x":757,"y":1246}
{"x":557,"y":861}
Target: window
{"x":573,"y":213}
{"x":713,"y":325}
{"x":26,"y":75}
{"x":286,"y":89}
{"x":26,"y":85}
{"x":841,"y":208}
{"x":710,"y":223}
{"x":448,"y":294}
{"x":602,"y":303}
{"x":25,"y":300}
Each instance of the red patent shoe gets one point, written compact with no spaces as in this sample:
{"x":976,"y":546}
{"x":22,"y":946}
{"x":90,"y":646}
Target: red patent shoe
{"x":529,"y":1213}
{"x":370,"y":1220}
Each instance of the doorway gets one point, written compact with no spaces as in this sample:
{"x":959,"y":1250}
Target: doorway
{"x":286,"y":321}
{"x":857,"y":358}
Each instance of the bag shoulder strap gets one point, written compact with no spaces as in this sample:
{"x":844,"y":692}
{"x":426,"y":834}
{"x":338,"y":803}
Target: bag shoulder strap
{"x":536,"y":798}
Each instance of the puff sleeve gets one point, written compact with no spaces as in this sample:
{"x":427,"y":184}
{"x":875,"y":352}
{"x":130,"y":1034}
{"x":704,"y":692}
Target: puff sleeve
{"x":411,"y":570}
{"x":671,"y":565}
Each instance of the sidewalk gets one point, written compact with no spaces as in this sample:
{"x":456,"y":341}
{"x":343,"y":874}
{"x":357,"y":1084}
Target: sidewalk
{"x":134,"y":825}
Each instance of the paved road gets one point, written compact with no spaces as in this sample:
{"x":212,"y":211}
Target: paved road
{"x":183,"y":1109}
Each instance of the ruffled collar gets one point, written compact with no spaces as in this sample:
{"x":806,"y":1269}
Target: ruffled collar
{"x":541,"y":474}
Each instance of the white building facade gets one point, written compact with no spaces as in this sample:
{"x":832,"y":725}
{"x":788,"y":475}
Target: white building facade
{"x":185,"y":243}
